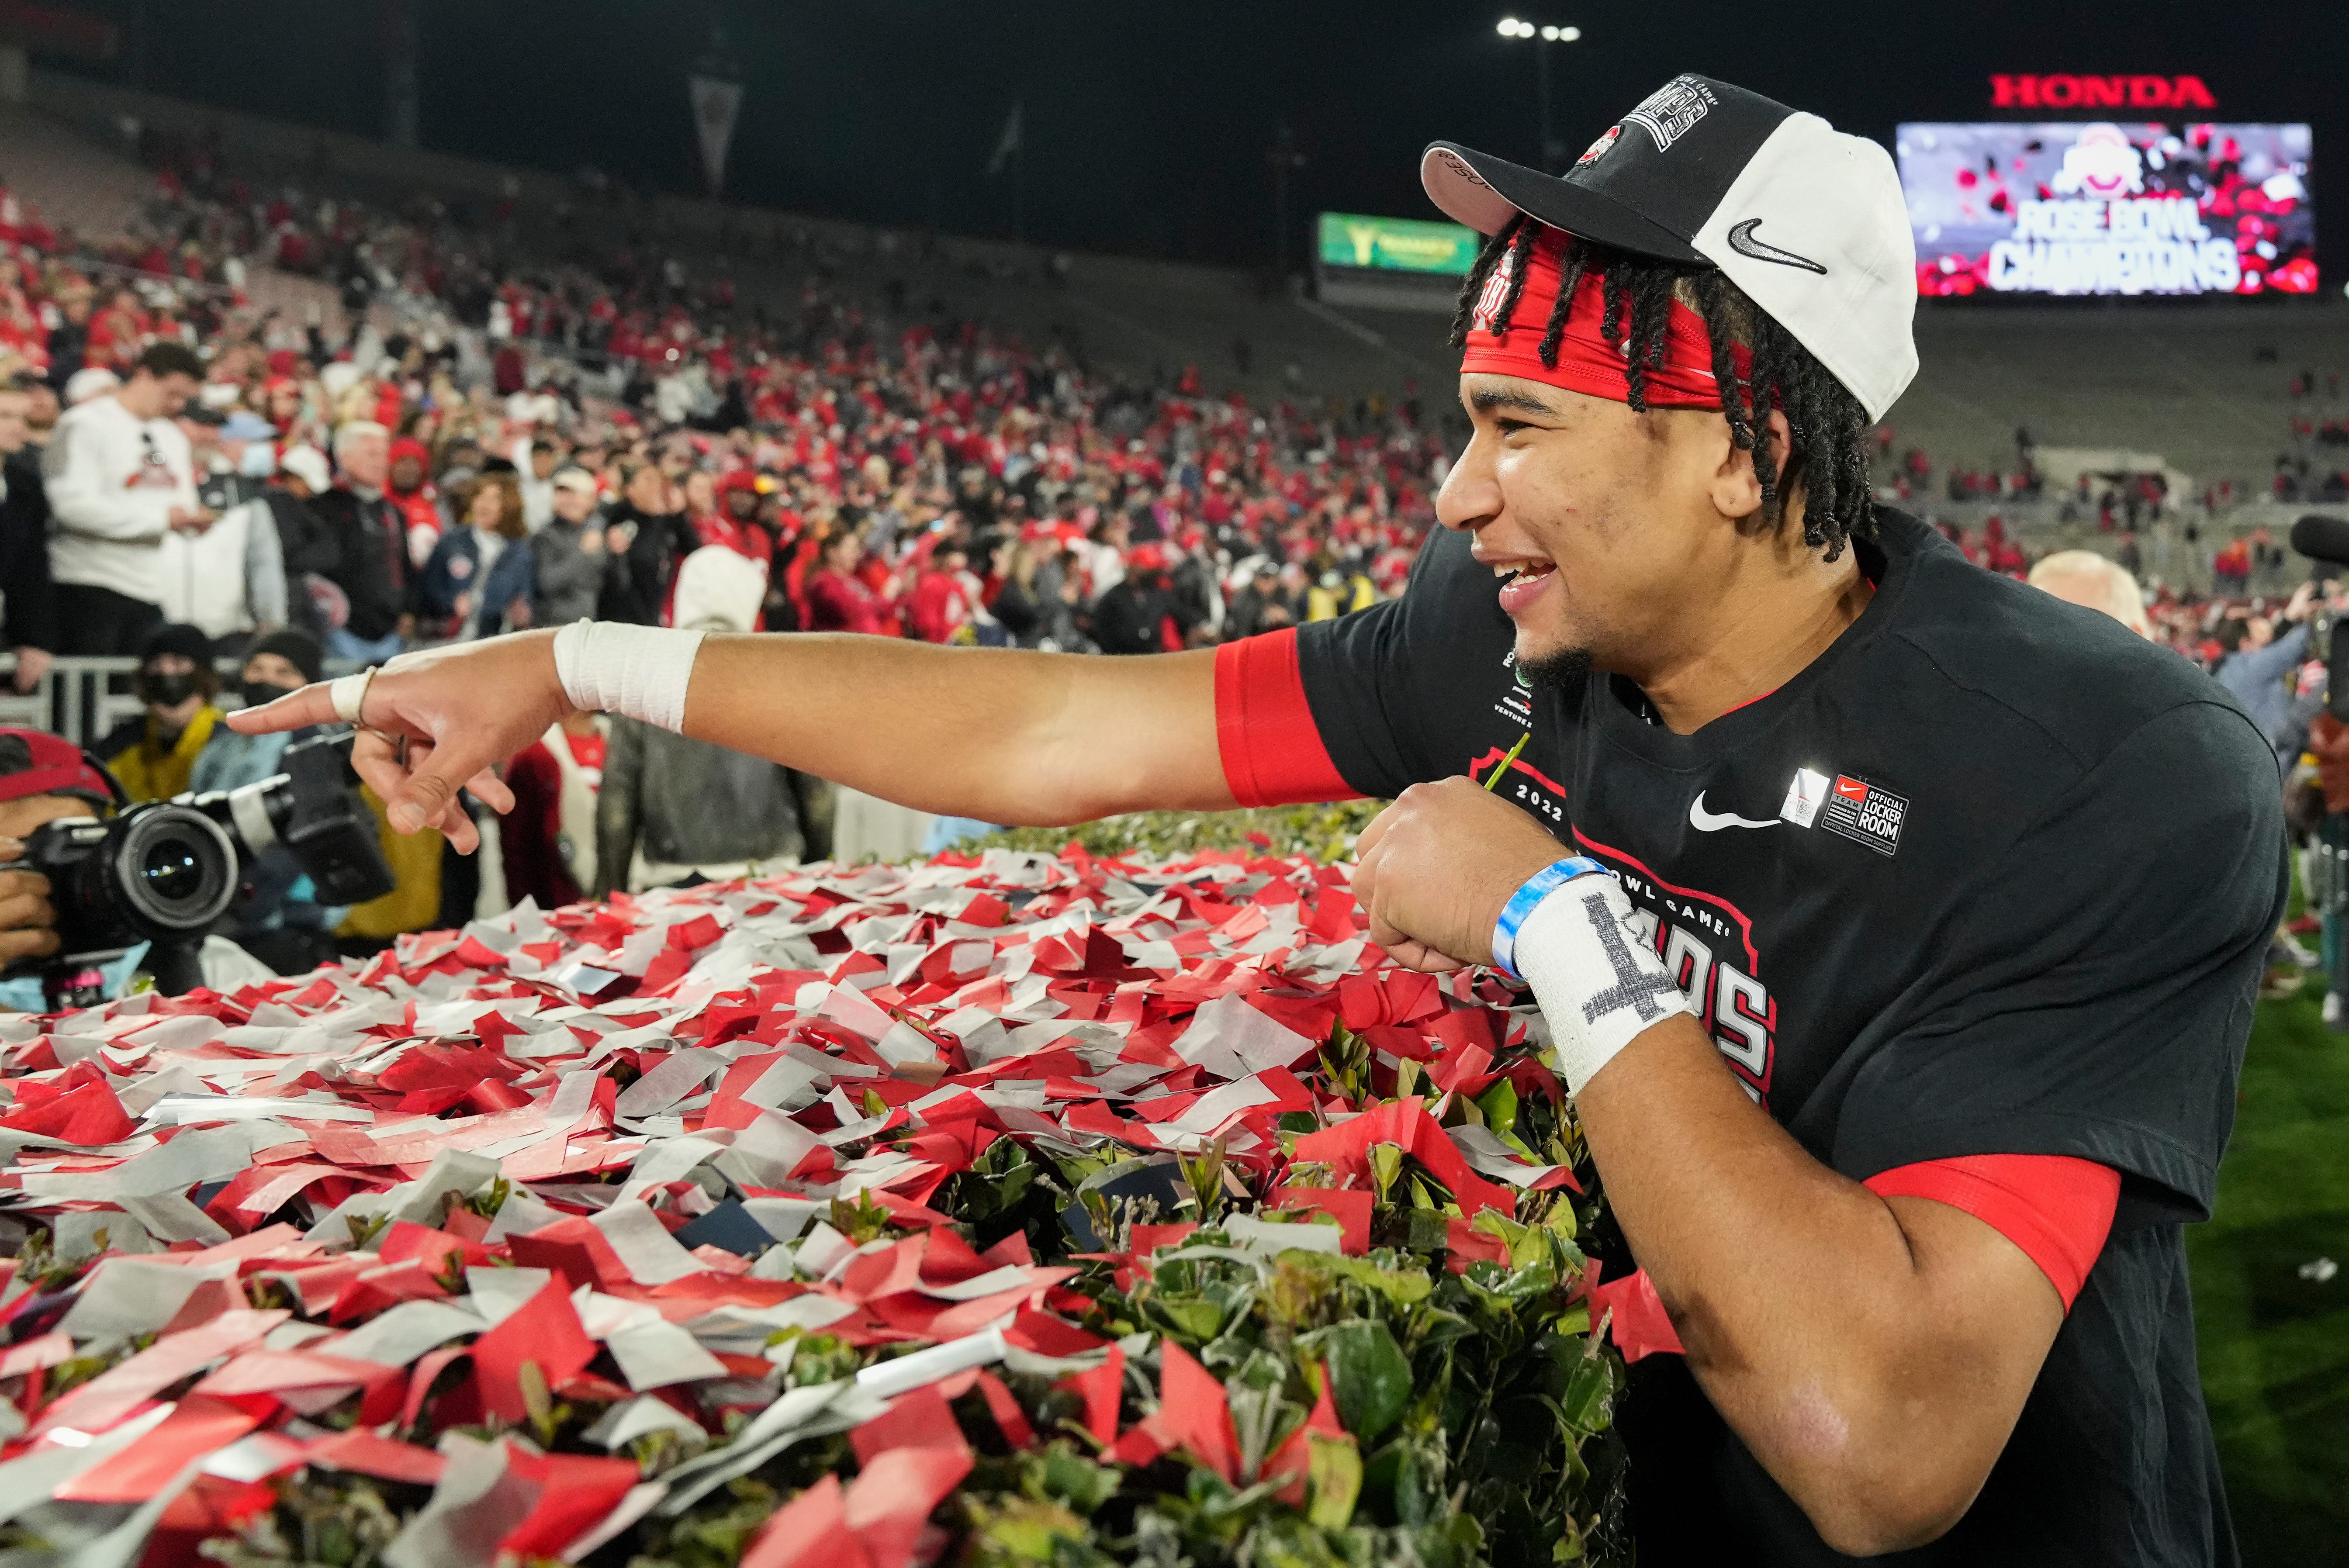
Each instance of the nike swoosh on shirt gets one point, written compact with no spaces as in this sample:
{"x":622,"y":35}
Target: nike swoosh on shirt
{"x":1705,"y":822}
{"x":1742,"y":240}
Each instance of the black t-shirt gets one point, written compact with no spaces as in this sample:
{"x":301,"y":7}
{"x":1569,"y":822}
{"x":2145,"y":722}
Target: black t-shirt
{"x":1992,"y":876}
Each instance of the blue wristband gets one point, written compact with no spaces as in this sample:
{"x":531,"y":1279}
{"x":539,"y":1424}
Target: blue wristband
{"x":1537,"y":887}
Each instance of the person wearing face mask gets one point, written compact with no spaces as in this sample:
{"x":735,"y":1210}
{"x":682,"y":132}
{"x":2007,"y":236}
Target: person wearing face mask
{"x":281,"y":922}
{"x":155,"y":754}
{"x":275,"y":663}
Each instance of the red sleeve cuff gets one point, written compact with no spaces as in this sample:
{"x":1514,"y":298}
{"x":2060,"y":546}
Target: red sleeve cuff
{"x":1272,"y":753}
{"x":2056,"y":1208}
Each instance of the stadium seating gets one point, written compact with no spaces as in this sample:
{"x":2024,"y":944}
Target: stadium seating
{"x":2203,"y":383}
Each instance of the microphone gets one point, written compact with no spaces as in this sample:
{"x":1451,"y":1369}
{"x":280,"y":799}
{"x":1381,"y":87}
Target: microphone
{"x":2321,"y":538}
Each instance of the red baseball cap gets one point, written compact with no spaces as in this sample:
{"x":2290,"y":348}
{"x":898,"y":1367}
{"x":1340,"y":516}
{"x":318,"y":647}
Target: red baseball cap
{"x":35,"y":762}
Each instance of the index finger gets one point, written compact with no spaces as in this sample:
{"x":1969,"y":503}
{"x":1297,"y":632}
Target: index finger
{"x":311,"y":705}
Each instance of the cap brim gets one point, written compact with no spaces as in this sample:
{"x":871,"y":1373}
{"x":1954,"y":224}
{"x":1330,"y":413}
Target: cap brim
{"x":1485,"y":193}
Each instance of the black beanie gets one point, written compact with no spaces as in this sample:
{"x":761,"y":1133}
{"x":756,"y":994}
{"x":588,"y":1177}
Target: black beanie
{"x":177,"y":637}
{"x":295,"y":645}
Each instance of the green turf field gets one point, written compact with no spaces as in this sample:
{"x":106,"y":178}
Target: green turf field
{"x":2275,"y":1346}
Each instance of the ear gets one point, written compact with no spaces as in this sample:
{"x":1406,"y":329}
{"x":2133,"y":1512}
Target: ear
{"x":1736,"y":488}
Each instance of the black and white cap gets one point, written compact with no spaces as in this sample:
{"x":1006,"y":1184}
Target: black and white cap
{"x":1808,"y":222}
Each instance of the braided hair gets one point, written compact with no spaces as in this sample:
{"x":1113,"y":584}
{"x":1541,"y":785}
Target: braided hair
{"x":1826,"y":447}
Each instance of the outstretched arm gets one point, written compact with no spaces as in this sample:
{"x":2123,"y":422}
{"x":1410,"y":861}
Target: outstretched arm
{"x":1004,"y":736}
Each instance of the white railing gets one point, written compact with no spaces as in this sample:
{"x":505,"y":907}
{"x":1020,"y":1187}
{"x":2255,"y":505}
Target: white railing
{"x":82,"y":699}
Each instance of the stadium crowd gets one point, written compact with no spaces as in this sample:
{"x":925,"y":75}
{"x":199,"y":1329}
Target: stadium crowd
{"x":486,"y":443}
{"x":197,"y":484}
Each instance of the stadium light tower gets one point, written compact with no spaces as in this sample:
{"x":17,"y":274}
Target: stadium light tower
{"x":1541,"y":37}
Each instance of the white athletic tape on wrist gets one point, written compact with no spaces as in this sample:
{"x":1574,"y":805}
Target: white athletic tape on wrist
{"x":637,"y":672}
{"x":1599,"y":984}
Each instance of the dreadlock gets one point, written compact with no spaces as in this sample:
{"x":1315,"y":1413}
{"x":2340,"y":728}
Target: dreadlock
{"x":1826,"y":447}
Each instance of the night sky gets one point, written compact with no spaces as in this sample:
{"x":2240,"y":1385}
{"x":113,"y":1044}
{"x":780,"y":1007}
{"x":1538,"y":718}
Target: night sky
{"x":1147,"y":126}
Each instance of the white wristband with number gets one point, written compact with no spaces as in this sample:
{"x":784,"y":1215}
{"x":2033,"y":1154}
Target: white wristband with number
{"x":1599,"y":984}
{"x":637,"y":672}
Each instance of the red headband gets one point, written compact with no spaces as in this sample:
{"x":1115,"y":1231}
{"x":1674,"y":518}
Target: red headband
{"x":1587,"y":361}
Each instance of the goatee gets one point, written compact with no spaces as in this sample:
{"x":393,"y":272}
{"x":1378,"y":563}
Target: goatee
{"x":1564,"y":670}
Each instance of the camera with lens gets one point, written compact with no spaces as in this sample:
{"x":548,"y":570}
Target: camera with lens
{"x":167,"y":872}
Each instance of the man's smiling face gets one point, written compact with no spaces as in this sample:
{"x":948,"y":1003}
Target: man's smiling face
{"x":1596,"y":519}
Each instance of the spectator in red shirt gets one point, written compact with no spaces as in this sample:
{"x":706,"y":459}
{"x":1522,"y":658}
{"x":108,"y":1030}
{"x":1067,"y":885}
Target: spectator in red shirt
{"x":940,"y":605}
{"x":733,"y":521}
{"x":548,"y":840}
{"x":410,"y":492}
{"x":838,"y":600}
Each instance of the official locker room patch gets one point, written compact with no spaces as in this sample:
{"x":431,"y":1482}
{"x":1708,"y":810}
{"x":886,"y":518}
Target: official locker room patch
{"x":1864,"y":812}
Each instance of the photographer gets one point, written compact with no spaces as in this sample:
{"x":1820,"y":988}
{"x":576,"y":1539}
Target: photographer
{"x":47,"y":778}
{"x":43,"y":779}
{"x":2258,"y":661}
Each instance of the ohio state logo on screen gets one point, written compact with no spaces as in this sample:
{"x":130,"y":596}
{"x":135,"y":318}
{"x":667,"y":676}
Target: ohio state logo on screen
{"x":1707,"y":946}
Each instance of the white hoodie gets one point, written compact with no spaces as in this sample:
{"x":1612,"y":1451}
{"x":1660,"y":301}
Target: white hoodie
{"x":113,"y":479}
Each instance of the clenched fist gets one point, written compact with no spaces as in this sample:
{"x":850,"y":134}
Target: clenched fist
{"x":1438,"y":866}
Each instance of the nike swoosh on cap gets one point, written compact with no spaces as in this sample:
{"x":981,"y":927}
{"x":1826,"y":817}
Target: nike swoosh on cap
{"x":1705,"y":822}
{"x":1742,"y":240}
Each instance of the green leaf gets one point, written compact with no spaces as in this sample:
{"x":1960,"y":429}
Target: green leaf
{"x":1202,"y":1172}
{"x":1438,"y":1327}
{"x":1071,"y":1478}
{"x":1506,"y":1290}
{"x":1333,"y":1480}
{"x":1406,"y":1079}
{"x":1192,"y":1318}
{"x":1369,"y":1376}
{"x":1021,"y":1529}
{"x":1498,"y":1104}
{"x":1257,"y":1413}
{"x":1402,"y":1287}
{"x":1386,"y":1164}
{"x":1527,"y":1243}
{"x":1590,"y":1394}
